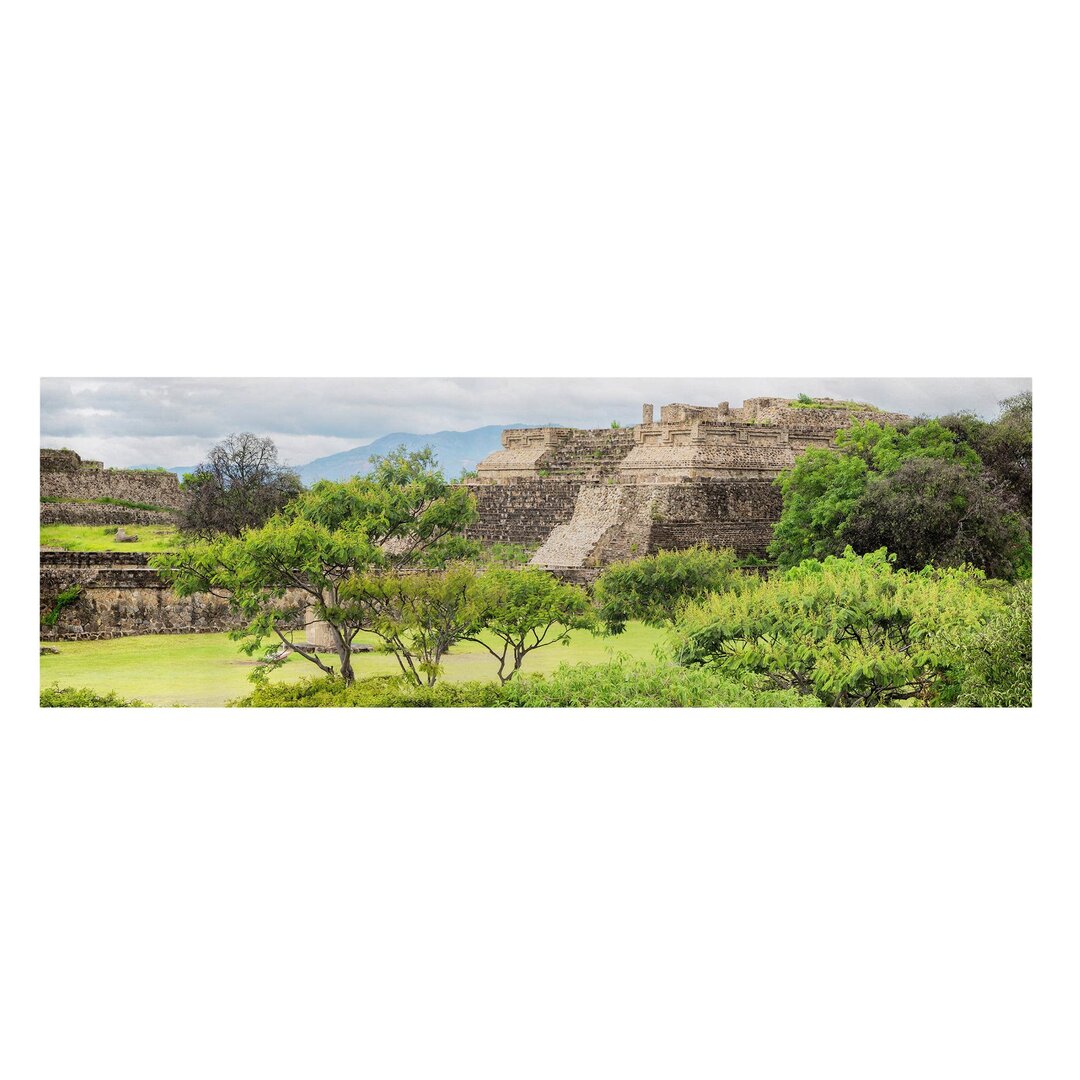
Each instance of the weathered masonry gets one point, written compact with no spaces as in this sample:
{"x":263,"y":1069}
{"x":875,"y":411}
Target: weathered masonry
{"x":699,"y":474}
{"x":70,"y":484}
{"x":109,"y":594}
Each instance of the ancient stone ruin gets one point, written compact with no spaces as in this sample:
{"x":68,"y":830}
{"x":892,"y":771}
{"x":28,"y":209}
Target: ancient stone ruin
{"x":72,"y":489}
{"x":699,"y":474}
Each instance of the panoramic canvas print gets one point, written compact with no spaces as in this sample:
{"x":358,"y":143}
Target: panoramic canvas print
{"x":508,"y":543}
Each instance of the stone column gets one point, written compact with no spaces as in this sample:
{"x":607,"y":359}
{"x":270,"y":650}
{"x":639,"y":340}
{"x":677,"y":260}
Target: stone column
{"x":646,"y":414}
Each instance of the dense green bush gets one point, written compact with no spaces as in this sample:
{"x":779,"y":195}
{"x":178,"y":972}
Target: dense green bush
{"x":69,"y":697}
{"x":852,"y":631}
{"x":379,"y":692}
{"x":991,"y":662}
{"x":653,"y":589}
{"x":617,"y":684}
{"x":625,"y":684}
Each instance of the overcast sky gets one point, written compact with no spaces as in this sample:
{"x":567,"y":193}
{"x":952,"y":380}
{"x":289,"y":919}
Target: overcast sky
{"x":174,"y":422}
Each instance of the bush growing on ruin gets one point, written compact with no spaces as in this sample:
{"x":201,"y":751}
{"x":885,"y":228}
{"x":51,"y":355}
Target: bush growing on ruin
{"x":653,"y":589}
{"x":851,"y":631}
{"x":239,"y":486}
{"x":402,"y":513}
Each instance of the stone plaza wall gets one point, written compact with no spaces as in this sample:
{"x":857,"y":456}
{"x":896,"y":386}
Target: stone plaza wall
{"x":101,"y":514}
{"x":120,"y":596}
{"x":65,"y":476}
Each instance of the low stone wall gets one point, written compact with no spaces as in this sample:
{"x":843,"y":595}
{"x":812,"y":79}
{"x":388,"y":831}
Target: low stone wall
{"x":121,"y":596}
{"x":101,"y":514}
{"x":156,"y":488}
{"x":65,"y":476}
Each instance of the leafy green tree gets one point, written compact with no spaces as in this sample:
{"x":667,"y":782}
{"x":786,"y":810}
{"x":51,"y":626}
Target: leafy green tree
{"x":852,"y":631}
{"x":294,"y":567}
{"x":1003,"y":444}
{"x":524,"y":610}
{"x":418,"y":616}
{"x":940,"y":512}
{"x":865,"y":493}
{"x":652,"y":589}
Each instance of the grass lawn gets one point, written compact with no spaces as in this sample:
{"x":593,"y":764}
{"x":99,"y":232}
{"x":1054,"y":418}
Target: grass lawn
{"x":100,"y":537}
{"x":209,"y":669}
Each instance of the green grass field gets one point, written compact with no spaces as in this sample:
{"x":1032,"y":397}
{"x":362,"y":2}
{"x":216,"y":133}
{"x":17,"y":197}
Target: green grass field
{"x":100,"y":537}
{"x":209,"y":669}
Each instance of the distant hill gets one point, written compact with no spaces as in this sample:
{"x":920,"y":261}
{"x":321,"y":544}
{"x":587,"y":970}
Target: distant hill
{"x":455,"y":451}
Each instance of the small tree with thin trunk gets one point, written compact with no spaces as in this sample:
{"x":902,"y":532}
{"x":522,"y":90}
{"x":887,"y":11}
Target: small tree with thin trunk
{"x":524,"y":610}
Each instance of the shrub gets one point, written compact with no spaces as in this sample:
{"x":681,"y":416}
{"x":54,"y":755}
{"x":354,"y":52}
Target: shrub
{"x":991,"y":663}
{"x":625,"y":684}
{"x":653,"y":588}
{"x":69,"y":697}
{"x":617,"y":684}
{"x":379,"y":692}
{"x":850,"y":630}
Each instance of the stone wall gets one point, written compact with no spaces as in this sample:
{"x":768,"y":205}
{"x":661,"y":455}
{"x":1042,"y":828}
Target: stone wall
{"x":101,"y":514}
{"x":122,"y":596}
{"x":524,"y":511}
{"x":65,"y":476}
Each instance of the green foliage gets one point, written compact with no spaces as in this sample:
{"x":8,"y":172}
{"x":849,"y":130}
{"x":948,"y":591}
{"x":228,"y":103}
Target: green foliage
{"x":653,"y":589}
{"x":940,"y":512}
{"x":65,"y":598}
{"x":850,"y":630}
{"x":526,"y":609}
{"x":990,"y":663}
{"x":804,"y":401}
{"x":402,"y":514}
{"x":625,"y":684}
{"x":68,"y":697}
{"x":1004,"y":445}
{"x":380,"y":692}
{"x":418,"y":616}
{"x":619,"y":683}
{"x":871,"y":478}
{"x":616,"y":424}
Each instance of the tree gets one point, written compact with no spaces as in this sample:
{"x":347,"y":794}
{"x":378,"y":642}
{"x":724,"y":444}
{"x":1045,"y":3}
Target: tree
{"x":940,"y":512}
{"x":1003,"y":445}
{"x":852,"y":631}
{"x":653,"y":589}
{"x":865,"y":493}
{"x":524,"y":610}
{"x":294,"y":568}
{"x":418,"y":616}
{"x":239,"y":486}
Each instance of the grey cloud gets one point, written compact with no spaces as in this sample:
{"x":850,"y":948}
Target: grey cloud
{"x":165,"y":421}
